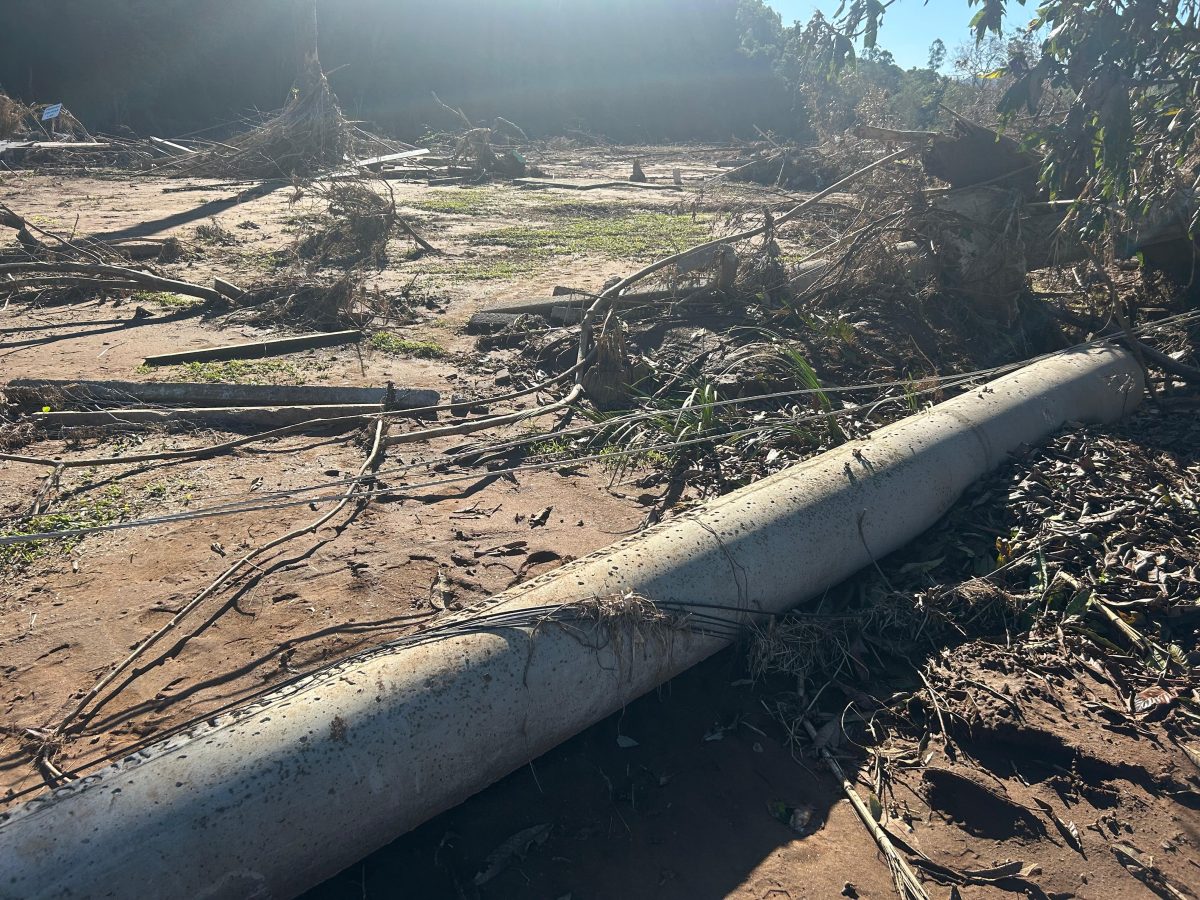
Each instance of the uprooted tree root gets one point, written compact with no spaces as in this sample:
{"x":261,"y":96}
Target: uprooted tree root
{"x":309,"y":136}
{"x":355,"y":227}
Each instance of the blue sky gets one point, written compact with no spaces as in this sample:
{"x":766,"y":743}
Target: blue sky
{"x":909,"y":26}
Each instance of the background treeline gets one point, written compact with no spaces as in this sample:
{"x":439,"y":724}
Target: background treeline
{"x":630,"y":70}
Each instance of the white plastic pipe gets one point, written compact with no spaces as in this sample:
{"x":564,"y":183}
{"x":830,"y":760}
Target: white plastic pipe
{"x":283,"y":793}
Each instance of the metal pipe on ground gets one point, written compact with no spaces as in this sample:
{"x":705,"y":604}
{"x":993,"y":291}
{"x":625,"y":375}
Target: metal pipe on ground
{"x":281,"y":794}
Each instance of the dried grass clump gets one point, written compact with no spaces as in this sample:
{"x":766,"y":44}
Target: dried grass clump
{"x":12,"y":114}
{"x":607,"y":380}
{"x":803,"y":168}
{"x":312,"y":305}
{"x":627,"y":609}
{"x":315,"y":305}
{"x":354,"y":230}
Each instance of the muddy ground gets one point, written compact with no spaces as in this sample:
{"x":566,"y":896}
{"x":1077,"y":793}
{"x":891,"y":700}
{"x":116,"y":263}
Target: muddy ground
{"x":717,"y":798}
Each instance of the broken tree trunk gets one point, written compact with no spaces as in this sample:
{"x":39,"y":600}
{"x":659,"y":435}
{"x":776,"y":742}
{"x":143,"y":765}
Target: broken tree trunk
{"x":142,"y":279}
{"x":973,"y":155}
{"x":986,"y":243}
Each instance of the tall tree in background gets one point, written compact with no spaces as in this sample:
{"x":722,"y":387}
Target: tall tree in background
{"x":630,"y":69}
{"x":833,"y":86}
{"x":1130,"y":73}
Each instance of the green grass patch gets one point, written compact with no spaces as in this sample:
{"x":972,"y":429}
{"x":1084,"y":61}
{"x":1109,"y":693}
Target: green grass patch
{"x":233,"y":371}
{"x":612,"y":456}
{"x":262,"y":260}
{"x":457,"y":201}
{"x":615,"y":459}
{"x":639,"y":236}
{"x":488,"y":268}
{"x":104,"y":506}
{"x":574,"y":203}
{"x":386,"y":342}
{"x":108,"y":506}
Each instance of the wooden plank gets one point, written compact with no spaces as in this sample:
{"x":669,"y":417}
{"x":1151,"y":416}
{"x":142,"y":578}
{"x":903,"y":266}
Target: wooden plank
{"x":376,"y":161}
{"x":227,"y":289}
{"x":399,"y":174}
{"x":545,"y":307}
{"x":172,"y":147}
{"x":258,"y":349}
{"x":265,"y":417}
{"x":53,"y":145}
{"x":38,"y":392}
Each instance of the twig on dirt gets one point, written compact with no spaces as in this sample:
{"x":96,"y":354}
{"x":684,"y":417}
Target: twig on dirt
{"x":1167,"y":364}
{"x":12,"y":219}
{"x":457,"y":112}
{"x":474,"y":425}
{"x":49,"y":485}
{"x":936,"y":706}
{"x":908,"y":886}
{"x":1147,"y":872}
{"x":378,"y":449}
{"x":411,"y":232}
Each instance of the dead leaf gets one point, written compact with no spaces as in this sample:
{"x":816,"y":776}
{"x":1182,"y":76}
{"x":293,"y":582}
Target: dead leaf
{"x":1066,"y":828}
{"x":876,"y":807}
{"x":1151,"y":698}
{"x":517,"y":845}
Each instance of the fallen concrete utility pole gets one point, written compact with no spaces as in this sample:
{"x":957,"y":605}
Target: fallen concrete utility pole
{"x":275,"y":797}
{"x":59,"y":392}
{"x":257,"y":349}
